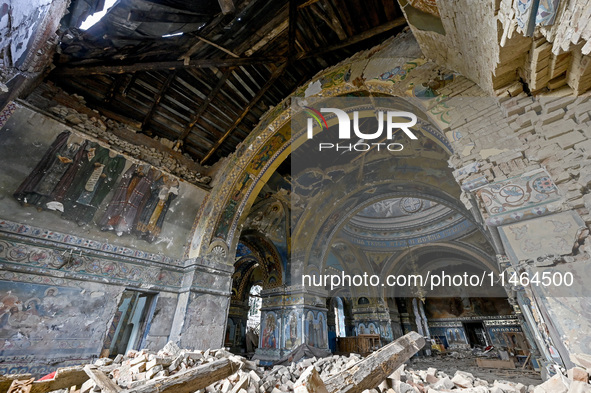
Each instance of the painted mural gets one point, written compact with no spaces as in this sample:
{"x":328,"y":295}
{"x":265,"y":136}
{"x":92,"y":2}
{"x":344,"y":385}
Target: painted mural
{"x":45,"y":257}
{"x":270,"y":331}
{"x":293,"y":330}
{"x":455,"y":335}
{"x":315,"y":329}
{"x":506,"y":336}
{"x":399,"y":73}
{"x":39,"y":319}
{"x":74,"y":177}
{"x":270,"y":217}
{"x":368,"y":328}
{"x":449,"y":336}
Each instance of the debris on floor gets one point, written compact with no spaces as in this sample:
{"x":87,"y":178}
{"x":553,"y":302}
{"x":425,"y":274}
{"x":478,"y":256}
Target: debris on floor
{"x":175,"y":370}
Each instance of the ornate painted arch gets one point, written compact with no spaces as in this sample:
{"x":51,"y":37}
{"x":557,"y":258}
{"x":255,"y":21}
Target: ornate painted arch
{"x":269,"y":143}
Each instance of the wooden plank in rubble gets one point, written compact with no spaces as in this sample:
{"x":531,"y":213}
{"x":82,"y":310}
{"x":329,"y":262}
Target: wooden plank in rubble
{"x":371,"y":371}
{"x":190,"y":380}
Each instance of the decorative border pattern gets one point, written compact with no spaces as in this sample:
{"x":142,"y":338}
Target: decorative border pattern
{"x":502,"y":322}
{"x":511,"y":320}
{"x":44,"y":234}
{"x":38,"y":370}
{"x":16,"y":253}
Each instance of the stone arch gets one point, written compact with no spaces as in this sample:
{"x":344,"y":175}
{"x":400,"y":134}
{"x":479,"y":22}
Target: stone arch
{"x":269,"y":143}
{"x":476,"y":256}
{"x":268,"y":256}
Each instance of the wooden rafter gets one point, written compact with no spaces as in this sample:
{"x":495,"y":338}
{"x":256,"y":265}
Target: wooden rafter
{"x":115,"y":86}
{"x":356,"y":38}
{"x":214,"y":92}
{"x":205,"y":31}
{"x":165,"y":65}
{"x":276,"y":74}
{"x":293,"y":21}
{"x":158,"y":97}
{"x":319,"y":12}
{"x":270,"y":36}
{"x":128,"y":84}
{"x":187,"y":56}
{"x":307,"y":3}
{"x":334,"y":21}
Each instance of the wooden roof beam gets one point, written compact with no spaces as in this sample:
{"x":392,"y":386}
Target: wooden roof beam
{"x":334,"y":21}
{"x":214,"y":92}
{"x":158,"y":97}
{"x":276,"y":74}
{"x":270,"y":36}
{"x":193,"y":49}
{"x":356,"y":38}
{"x":307,"y":3}
{"x":293,"y":20}
{"x":165,"y":65}
{"x":330,"y":21}
{"x":114,"y":88}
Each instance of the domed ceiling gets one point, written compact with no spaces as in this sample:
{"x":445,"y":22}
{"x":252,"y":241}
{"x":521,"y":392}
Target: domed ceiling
{"x":403,"y":222}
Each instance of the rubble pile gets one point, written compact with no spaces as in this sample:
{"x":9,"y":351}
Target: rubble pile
{"x":175,"y":370}
{"x":136,"y":368}
{"x":100,"y":129}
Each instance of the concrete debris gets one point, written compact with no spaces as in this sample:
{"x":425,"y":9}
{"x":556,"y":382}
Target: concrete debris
{"x":180,"y":370}
{"x":133,"y":372}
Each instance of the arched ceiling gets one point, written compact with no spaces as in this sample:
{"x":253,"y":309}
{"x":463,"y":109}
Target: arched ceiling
{"x":396,"y":223}
{"x":396,"y":211}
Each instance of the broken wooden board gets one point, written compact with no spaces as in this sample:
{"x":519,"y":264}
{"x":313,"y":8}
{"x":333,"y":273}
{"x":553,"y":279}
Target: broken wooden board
{"x":106,"y":384}
{"x":63,"y":379}
{"x":21,"y":386}
{"x":371,"y":371}
{"x":495,"y":363}
{"x":6,"y":380}
{"x":190,"y":380}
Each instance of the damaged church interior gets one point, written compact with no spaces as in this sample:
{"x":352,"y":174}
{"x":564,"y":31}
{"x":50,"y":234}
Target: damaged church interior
{"x":177,"y":203}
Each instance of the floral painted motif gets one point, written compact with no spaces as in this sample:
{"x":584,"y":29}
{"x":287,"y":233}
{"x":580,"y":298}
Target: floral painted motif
{"x":518,"y":198}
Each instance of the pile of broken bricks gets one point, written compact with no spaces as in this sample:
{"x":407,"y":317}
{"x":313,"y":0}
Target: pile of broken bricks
{"x":174,"y":370}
